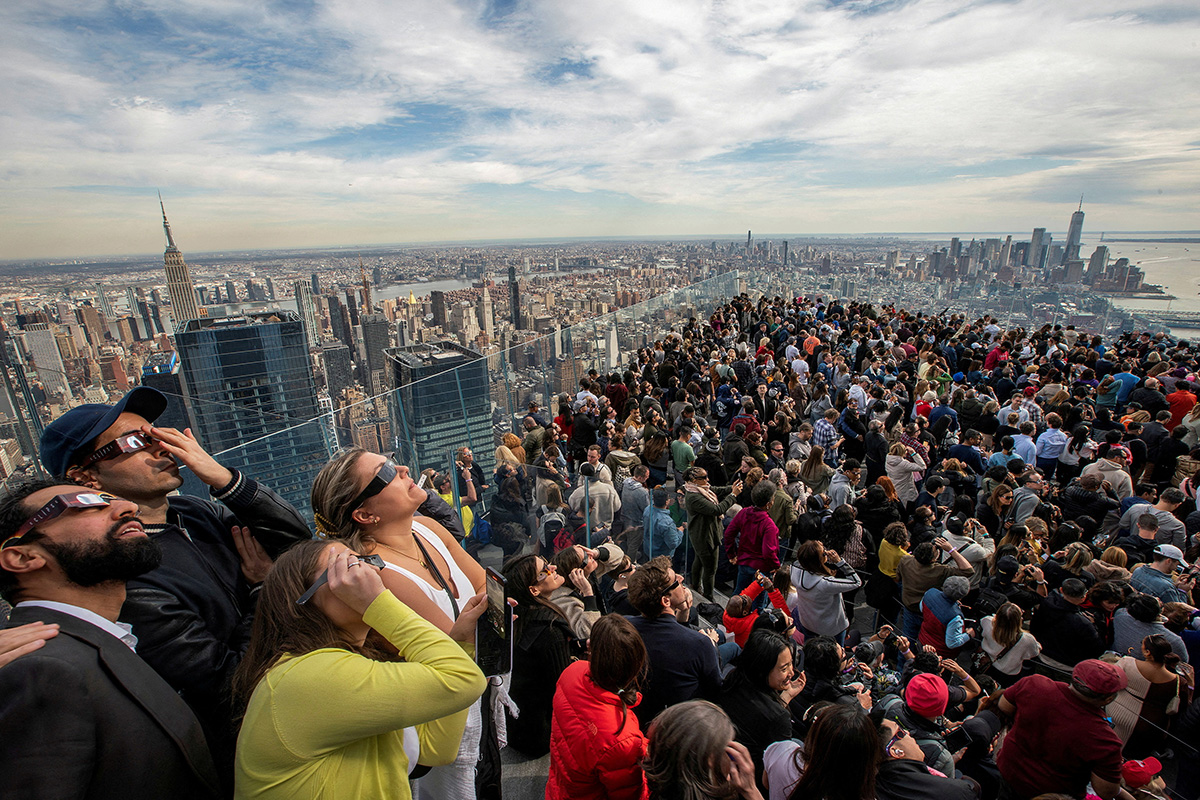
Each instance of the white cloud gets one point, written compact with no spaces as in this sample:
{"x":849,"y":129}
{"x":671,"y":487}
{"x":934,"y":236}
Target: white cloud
{"x":934,"y":115}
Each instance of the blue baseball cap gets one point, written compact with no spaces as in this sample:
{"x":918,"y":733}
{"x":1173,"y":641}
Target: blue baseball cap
{"x":63,"y":437}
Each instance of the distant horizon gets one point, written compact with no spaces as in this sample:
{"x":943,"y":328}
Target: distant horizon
{"x":537,"y":242}
{"x":285,"y":126}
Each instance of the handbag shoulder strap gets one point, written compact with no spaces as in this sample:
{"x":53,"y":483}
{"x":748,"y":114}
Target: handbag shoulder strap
{"x":437,"y":574}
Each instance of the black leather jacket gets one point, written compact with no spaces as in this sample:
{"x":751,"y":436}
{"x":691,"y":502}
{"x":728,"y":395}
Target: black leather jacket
{"x":192,"y":614}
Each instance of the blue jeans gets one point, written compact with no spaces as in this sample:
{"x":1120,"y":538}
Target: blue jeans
{"x":912,"y":626}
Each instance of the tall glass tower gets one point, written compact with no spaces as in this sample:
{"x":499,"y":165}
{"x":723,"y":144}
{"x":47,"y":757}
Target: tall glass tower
{"x":431,"y":418}
{"x":1074,"y":234}
{"x":249,"y":387}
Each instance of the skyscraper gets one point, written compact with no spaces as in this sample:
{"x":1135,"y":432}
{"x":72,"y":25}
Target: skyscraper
{"x":250,"y":390}
{"x":1097,"y":264}
{"x":102,"y":302}
{"x":1074,"y":234}
{"x":514,"y":297}
{"x":43,"y":350}
{"x":1037,"y":248}
{"x":307,"y":309}
{"x":179,"y":280}
{"x":376,"y":331}
{"x":484,"y":313}
{"x":431,"y":417}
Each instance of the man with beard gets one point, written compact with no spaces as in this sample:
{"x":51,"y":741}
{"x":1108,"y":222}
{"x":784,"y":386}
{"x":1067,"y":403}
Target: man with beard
{"x":193,"y":612}
{"x":84,"y":716}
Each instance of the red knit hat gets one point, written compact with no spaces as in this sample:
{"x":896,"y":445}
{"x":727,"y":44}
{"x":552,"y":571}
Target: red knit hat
{"x":927,"y":695}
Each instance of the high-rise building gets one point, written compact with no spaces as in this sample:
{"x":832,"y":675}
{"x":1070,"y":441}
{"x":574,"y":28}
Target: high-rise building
{"x":42,"y":345}
{"x":339,"y":369}
{"x":483,"y":311}
{"x":339,"y":321}
{"x":376,"y":332}
{"x":1097,"y":264}
{"x":514,"y":297}
{"x":1035,"y":255}
{"x":432,"y":416}
{"x":316,"y":285}
{"x":437,"y":300}
{"x":1074,"y":234}
{"x":179,"y":280}
{"x":250,"y":390}
{"x":307,"y":309}
{"x":102,"y":302}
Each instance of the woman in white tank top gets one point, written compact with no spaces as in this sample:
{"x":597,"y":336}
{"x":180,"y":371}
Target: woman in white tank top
{"x":369,"y":502}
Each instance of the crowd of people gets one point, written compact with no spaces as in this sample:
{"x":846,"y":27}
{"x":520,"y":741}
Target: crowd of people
{"x":799,"y":549}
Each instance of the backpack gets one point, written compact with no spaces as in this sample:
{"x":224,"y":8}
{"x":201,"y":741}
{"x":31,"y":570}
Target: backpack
{"x":550,"y":526}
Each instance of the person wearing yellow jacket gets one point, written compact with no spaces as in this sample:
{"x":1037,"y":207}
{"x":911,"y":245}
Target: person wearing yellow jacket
{"x":329,"y":685}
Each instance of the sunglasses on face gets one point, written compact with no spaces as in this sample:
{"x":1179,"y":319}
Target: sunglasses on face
{"x":900,"y":733}
{"x":545,"y":572}
{"x":373,"y":560}
{"x":55,"y":508}
{"x":129,"y":443}
{"x":379,"y":482}
{"x":678,"y":582}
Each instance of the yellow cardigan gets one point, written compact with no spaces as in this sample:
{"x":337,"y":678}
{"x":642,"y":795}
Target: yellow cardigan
{"x":327,"y":724}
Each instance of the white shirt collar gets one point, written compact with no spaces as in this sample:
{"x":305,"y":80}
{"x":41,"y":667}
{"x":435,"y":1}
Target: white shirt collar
{"x":120,"y":630}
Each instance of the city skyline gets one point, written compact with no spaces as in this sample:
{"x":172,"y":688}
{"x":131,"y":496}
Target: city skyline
{"x":319,"y":124}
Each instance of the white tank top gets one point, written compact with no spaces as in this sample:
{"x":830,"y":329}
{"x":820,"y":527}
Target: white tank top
{"x":457,"y":579}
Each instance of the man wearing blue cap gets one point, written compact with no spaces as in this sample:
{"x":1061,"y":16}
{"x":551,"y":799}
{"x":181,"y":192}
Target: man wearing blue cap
{"x":192,"y":614}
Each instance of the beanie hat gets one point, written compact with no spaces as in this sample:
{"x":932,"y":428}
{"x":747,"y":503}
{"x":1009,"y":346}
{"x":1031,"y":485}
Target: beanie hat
{"x":927,"y":695}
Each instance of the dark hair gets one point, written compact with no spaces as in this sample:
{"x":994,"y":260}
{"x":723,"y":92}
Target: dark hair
{"x":521,"y":573}
{"x":685,"y":752}
{"x":925,"y":553}
{"x":283,"y":627}
{"x":808,"y":558}
{"x":13,"y":515}
{"x":1144,"y":607}
{"x":1160,"y":651}
{"x":839,"y":528}
{"x":822,"y":661}
{"x":566,"y":560}
{"x":617,"y":659}
{"x":841,"y":756}
{"x":754,"y":664}
{"x":646,"y":586}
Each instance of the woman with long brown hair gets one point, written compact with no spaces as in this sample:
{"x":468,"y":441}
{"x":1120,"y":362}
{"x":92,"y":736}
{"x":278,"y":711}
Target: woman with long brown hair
{"x":691,"y":755}
{"x":1160,"y":686}
{"x":596,"y":744}
{"x":328,"y":631}
{"x":815,"y":473}
{"x":1007,"y":645}
{"x":369,"y":502}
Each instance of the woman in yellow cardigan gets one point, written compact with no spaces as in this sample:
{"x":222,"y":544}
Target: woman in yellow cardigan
{"x":327,"y":699}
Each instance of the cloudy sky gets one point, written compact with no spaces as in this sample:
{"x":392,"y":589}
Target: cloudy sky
{"x":319,"y":122}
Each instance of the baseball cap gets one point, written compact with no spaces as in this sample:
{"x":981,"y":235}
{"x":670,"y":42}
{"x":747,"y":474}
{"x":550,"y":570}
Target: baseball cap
{"x":63,"y":437}
{"x":928,"y":696}
{"x":1117,"y":451}
{"x":1099,"y":676}
{"x":1030,"y":391}
{"x":867,"y":652}
{"x":1170,"y":551}
{"x":1138,"y":773}
{"x":1007,"y":566}
{"x":959,"y":377}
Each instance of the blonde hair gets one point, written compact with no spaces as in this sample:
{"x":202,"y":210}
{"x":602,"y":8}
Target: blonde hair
{"x":333,"y":490}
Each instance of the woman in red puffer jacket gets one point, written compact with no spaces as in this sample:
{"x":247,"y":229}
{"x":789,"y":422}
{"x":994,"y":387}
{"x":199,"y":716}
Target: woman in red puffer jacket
{"x":596,"y":745}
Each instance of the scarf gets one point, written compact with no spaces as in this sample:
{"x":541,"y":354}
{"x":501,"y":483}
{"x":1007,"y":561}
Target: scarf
{"x":703,"y":490}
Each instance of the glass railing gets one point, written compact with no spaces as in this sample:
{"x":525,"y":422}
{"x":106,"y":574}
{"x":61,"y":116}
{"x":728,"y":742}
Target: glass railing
{"x":473,"y":402}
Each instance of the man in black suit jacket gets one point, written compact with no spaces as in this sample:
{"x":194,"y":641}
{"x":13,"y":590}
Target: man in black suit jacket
{"x":83,"y":716}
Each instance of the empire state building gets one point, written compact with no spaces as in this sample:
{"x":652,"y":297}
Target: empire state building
{"x":179,"y":282}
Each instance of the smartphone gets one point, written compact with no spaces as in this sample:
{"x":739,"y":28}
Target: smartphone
{"x":493,"y":632}
{"x":956,"y":739}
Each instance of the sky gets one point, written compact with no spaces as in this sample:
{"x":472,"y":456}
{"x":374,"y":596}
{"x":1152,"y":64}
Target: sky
{"x":300,"y":123}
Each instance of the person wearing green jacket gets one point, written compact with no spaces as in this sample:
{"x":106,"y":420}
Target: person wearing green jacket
{"x":704,"y":524}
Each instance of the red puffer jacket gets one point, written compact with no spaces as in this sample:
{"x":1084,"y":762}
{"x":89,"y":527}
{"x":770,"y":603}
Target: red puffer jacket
{"x":593,"y":754}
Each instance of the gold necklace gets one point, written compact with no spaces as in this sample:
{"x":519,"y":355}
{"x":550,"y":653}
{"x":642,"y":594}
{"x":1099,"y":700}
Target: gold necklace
{"x":417,"y":559}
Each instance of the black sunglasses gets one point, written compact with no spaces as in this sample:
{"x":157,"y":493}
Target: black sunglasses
{"x":678,"y":582}
{"x":373,"y":560}
{"x":380,"y":481}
